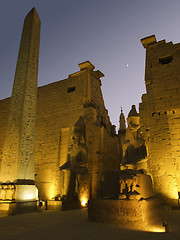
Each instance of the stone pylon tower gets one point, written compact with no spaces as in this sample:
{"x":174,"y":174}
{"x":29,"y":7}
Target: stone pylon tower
{"x":17,"y":170}
{"x":160,"y":116}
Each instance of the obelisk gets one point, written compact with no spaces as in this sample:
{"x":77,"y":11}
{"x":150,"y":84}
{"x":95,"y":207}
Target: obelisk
{"x":18,"y":161}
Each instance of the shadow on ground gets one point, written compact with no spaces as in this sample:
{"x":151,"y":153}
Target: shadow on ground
{"x":74,"y":225}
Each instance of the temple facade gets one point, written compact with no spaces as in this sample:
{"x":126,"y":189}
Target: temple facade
{"x":75,"y":142}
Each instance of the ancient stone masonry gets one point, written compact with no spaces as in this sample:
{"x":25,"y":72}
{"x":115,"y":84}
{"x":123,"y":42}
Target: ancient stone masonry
{"x":160,"y":115}
{"x":18,"y":160}
{"x":73,"y":131}
{"x":75,"y":153}
{"x":75,"y":140}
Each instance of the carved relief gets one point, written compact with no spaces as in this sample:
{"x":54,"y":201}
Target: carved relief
{"x":7,"y":191}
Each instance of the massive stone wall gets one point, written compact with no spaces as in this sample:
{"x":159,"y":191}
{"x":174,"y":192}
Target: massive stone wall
{"x":160,"y":115}
{"x":59,"y":107}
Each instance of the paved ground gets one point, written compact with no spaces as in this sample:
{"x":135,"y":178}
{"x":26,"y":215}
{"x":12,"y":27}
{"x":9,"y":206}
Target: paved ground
{"x":74,"y":225}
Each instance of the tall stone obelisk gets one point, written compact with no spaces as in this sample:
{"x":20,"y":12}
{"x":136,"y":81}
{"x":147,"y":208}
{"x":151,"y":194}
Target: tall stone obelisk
{"x":18,"y":160}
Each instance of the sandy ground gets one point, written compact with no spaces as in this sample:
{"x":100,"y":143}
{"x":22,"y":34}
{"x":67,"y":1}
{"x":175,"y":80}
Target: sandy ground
{"x":74,"y":225}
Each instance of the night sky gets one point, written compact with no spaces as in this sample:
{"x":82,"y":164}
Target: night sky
{"x":105,"y":32}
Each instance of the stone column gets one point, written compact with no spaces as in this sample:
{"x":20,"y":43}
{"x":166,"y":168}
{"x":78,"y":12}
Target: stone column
{"x":18,"y":154}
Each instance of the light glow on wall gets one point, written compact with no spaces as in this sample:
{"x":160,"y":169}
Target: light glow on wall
{"x":156,"y":229}
{"x":26,"y":193}
{"x":145,"y":228}
{"x":84,"y":196}
{"x":28,"y":196}
{"x":51,"y":192}
{"x":84,"y":202}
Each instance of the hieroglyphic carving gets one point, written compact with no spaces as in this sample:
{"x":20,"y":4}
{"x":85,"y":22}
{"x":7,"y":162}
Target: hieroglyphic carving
{"x":18,"y":153}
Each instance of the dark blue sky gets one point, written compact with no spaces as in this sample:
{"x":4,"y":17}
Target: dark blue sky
{"x":105,"y":32}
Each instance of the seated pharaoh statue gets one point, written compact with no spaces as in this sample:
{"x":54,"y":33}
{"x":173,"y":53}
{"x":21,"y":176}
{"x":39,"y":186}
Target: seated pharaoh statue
{"x":134,"y":149}
{"x":77,"y":151}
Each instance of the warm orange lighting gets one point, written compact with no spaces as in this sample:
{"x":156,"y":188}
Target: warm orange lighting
{"x":145,"y":228}
{"x":84,"y":197}
{"x":84,"y":202}
{"x":26,"y":193}
{"x":51,"y":191}
{"x":29,"y":196}
{"x":155,"y":229}
{"x":158,"y":230}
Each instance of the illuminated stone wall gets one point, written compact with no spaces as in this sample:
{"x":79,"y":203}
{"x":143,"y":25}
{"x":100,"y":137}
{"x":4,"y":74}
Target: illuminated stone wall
{"x":160,"y":115}
{"x":59,"y":107}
